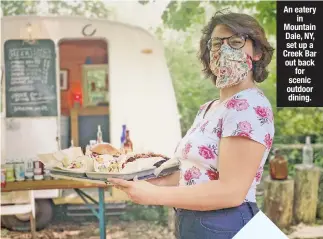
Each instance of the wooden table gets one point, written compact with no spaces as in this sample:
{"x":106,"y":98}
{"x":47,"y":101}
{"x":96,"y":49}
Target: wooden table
{"x":49,"y":184}
{"x":68,"y":184}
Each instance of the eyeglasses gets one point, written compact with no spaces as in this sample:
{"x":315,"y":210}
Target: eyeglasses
{"x":235,"y":41}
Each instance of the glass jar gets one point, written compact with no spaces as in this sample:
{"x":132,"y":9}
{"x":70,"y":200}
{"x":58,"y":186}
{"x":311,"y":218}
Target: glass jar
{"x":308,"y":153}
{"x":20,"y":171}
{"x":278,"y":166}
{"x":29,"y":172}
{"x":10,"y":172}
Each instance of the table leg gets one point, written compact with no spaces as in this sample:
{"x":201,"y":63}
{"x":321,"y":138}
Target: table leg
{"x":102,"y":214}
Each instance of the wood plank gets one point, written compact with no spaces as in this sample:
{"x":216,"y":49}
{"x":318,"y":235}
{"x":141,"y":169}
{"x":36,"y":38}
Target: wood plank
{"x":278,"y":201}
{"x":49,"y":184}
{"x":81,"y":180}
{"x":93,"y":110}
{"x":74,"y":127}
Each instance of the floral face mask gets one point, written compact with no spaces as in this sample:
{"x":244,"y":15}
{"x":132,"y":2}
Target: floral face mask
{"x":230,"y":66}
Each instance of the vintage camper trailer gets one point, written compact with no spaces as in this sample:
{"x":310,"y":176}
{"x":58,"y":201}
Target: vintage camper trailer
{"x":64,"y":76}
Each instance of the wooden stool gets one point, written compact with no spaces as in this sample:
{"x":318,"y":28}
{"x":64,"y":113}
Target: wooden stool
{"x":278,"y":201}
{"x":306,"y":193}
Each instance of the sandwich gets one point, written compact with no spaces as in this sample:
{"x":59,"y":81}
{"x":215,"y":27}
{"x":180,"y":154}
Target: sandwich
{"x":105,"y":157}
{"x":105,"y":149}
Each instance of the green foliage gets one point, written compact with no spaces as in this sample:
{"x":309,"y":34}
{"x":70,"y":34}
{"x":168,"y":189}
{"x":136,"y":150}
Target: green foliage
{"x":136,"y":212}
{"x":94,"y":8}
{"x":300,"y":121}
{"x":14,"y":8}
{"x":180,"y":15}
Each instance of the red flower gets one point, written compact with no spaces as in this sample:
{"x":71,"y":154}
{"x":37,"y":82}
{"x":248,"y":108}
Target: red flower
{"x":261,"y":111}
{"x":268,"y":141}
{"x":206,"y":152}
{"x":186,"y":149}
{"x":192,"y":173}
{"x":244,"y":134}
{"x":237,"y":104}
{"x":196,"y":173}
{"x":242,"y":105}
{"x":259,"y":174}
{"x":188,"y":175}
{"x":225,"y":71}
{"x":244,"y":126}
{"x":215,"y":56}
{"x":213,"y":175}
{"x":231,"y":104}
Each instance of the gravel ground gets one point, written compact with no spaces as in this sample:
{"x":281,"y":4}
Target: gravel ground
{"x":120,"y":230}
{"x":307,"y":232}
{"x":132,"y":230}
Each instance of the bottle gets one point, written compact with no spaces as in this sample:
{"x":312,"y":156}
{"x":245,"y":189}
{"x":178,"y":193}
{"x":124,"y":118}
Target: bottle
{"x":47,"y":174}
{"x":128,"y":146}
{"x":38,"y":171}
{"x":278,"y":166}
{"x":29,"y":169}
{"x":308,"y":152}
{"x":99,"y":135}
{"x":123,"y":135}
{"x":3,"y":177}
{"x":10,"y":172}
{"x":20,"y":170}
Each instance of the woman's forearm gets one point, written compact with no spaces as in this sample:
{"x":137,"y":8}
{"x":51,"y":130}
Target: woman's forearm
{"x":211,"y":195}
{"x":169,"y":180}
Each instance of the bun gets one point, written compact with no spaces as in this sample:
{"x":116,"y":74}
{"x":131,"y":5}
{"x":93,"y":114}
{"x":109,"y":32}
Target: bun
{"x":105,"y":149}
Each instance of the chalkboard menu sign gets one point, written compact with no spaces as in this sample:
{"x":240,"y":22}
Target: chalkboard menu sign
{"x":30,"y":78}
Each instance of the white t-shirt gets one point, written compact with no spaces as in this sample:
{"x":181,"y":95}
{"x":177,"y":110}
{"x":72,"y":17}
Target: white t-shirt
{"x":247,"y":113}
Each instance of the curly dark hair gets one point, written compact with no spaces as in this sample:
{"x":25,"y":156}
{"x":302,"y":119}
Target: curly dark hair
{"x":241,"y":24}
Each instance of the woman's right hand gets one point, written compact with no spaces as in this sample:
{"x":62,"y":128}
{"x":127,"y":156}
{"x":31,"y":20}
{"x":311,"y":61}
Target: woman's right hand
{"x":169,"y":180}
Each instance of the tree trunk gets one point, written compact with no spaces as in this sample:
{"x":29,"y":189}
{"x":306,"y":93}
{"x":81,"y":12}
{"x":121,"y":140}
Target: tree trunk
{"x":320,"y":197}
{"x":278,"y":201}
{"x":306,"y":193}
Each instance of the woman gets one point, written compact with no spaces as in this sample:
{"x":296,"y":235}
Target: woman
{"x":223,"y":154}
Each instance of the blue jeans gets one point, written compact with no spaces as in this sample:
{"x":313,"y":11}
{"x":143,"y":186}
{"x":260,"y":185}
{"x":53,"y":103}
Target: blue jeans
{"x":219,"y":224}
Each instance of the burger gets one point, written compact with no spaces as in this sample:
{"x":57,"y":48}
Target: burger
{"x":105,"y":149}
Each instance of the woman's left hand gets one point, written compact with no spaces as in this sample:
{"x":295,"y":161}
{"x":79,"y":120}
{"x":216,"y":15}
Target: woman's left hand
{"x":140,"y":192}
